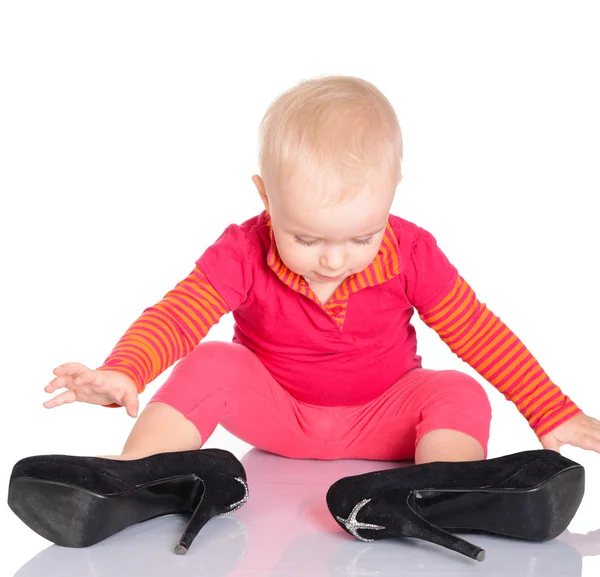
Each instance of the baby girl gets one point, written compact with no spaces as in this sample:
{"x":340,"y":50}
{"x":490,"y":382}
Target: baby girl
{"x":322,"y":286}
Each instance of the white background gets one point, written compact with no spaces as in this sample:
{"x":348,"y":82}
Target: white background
{"x":128,"y":138}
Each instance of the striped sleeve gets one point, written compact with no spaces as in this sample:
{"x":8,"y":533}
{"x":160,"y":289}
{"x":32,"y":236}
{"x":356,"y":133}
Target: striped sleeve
{"x":167,"y":331}
{"x":482,"y":340}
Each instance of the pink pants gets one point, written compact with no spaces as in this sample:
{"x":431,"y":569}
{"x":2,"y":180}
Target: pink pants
{"x":226,"y":383}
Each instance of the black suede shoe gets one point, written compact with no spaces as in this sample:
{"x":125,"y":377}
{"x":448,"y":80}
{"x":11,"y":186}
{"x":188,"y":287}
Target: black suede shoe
{"x":78,"y":501}
{"x":531,"y":495}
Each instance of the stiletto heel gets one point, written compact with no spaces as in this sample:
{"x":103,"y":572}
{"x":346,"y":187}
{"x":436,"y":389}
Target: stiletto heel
{"x":531,"y":495}
{"x":198,"y":519}
{"x":206,"y":509}
{"x":414,"y":526}
{"x":79,"y":501}
{"x":423,"y":529}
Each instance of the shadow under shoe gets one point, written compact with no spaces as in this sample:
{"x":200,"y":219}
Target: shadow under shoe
{"x":78,"y":501}
{"x":138,"y":551}
{"x":530,"y":495}
{"x":505,"y":557}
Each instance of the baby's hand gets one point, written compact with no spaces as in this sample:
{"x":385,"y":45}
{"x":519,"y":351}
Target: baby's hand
{"x":580,"y":431}
{"x":96,"y":387}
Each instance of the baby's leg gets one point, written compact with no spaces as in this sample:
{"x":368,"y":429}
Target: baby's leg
{"x":225,"y":383}
{"x":448,"y":445}
{"x":455,"y":418}
{"x":169,"y":421}
{"x":160,"y":429}
{"x":427,"y":415}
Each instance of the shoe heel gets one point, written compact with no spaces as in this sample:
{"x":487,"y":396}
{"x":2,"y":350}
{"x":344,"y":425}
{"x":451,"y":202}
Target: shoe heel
{"x":423,"y":529}
{"x":209,"y":505}
{"x":203,"y":513}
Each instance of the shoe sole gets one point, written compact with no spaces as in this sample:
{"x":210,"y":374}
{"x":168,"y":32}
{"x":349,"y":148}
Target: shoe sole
{"x":537,"y":514}
{"x":71,"y":516}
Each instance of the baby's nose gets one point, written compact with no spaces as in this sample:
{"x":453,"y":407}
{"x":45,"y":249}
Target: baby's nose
{"x":333,"y":260}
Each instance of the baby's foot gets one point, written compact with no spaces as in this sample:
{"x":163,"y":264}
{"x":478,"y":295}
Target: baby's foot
{"x":125,"y":456}
{"x":119,"y":457}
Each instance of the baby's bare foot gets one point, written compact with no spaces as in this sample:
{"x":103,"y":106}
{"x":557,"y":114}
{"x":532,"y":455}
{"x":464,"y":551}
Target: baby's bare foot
{"x":124,"y":457}
{"x":120,"y":457}
{"x":131,"y":455}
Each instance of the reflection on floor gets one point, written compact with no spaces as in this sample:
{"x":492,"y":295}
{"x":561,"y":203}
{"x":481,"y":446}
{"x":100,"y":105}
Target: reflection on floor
{"x":286,"y":529}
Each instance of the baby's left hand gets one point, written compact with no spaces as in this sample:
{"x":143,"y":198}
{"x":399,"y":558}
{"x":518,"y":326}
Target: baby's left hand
{"x":579,"y":431}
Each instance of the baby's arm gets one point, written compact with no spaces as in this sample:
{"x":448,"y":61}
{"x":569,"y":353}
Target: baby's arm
{"x":481,"y":339}
{"x":447,"y":304}
{"x":164,"y":333}
{"x":167,"y":331}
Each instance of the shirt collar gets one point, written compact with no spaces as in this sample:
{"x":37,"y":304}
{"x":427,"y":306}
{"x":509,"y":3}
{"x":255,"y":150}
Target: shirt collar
{"x":384,"y":267}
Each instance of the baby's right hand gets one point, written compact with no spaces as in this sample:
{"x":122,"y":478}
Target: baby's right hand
{"x":96,"y":387}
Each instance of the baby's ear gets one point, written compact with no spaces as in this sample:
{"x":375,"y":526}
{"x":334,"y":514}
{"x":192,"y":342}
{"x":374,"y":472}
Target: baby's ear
{"x":260,"y":186}
{"x":258,"y":182}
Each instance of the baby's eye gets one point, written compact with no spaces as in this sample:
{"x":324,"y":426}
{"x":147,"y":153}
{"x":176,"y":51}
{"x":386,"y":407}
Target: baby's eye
{"x":305,"y":242}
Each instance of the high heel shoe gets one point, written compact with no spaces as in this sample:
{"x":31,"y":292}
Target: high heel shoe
{"x":531,"y":495}
{"x":78,"y":501}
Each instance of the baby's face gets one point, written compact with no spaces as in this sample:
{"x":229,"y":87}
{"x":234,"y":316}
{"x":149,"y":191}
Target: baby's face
{"x":327,"y":244}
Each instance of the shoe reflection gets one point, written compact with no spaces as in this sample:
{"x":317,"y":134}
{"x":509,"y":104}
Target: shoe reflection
{"x":285,"y":527}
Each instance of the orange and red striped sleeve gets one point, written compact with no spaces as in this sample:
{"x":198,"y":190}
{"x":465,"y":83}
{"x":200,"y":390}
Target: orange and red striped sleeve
{"x":481,"y":339}
{"x":168,"y":330}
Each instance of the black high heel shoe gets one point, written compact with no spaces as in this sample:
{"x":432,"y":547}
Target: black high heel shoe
{"x":531,"y":495}
{"x":78,"y":501}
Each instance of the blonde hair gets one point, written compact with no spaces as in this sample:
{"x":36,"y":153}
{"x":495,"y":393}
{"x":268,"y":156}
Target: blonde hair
{"x":339,"y":132}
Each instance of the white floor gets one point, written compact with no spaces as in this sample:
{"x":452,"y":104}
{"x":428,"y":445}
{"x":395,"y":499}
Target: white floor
{"x":286,"y":529}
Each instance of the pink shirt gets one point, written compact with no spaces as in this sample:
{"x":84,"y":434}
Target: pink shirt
{"x":320,"y":359}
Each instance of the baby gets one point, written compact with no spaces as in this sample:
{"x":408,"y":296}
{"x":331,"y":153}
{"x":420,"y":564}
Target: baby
{"x":322,"y":286}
